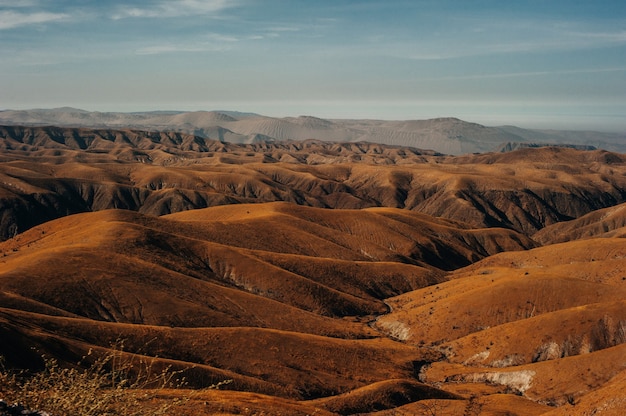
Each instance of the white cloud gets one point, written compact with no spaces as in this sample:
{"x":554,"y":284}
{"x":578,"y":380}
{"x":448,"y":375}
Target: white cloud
{"x":211,"y":43}
{"x":528,"y":74}
{"x":471,"y":36}
{"x":172,"y":48}
{"x":605,"y":37}
{"x":284,"y":29}
{"x":500,"y":42}
{"x":10,"y":19}
{"x":175,"y":8}
{"x":18,"y":3}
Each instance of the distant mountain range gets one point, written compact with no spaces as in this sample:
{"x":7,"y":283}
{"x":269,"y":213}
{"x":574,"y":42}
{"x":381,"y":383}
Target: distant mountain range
{"x":444,"y":135}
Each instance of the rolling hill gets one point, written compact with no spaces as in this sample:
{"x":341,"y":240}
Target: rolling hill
{"x":51,"y":172}
{"x":294,"y":279}
{"x":514,"y":318}
{"x":319,"y":277}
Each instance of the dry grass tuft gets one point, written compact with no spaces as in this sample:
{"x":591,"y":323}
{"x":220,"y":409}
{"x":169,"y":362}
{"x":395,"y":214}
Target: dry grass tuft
{"x":113,"y":384}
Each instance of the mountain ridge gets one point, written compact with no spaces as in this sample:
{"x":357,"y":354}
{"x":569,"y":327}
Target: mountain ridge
{"x":445,"y":134}
{"x":49,"y":172}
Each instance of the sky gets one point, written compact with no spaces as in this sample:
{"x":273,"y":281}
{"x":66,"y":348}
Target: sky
{"x":531,"y":63}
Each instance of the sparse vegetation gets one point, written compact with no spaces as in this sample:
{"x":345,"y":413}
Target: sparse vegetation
{"x":113,"y":384}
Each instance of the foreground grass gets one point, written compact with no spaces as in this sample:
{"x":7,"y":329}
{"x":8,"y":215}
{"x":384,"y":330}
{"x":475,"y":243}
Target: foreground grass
{"x":111,"y":385}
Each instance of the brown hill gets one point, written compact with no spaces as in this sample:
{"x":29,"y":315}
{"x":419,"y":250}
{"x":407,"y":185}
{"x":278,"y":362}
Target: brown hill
{"x":280,"y":363}
{"x":65,"y":171}
{"x":554,"y":382}
{"x":548,"y":323}
{"x":388,"y":394}
{"x":609,"y":400}
{"x":202,"y":281}
{"x":253,"y":247}
{"x":608,"y":222}
{"x":485,"y":302}
{"x":489,"y":405}
{"x":419,"y":291}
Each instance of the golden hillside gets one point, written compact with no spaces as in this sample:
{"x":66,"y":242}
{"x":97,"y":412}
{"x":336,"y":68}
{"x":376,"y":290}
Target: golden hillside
{"x":320,"y":277}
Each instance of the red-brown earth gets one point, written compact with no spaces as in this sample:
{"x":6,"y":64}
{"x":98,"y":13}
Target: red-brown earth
{"x":321,"y":277}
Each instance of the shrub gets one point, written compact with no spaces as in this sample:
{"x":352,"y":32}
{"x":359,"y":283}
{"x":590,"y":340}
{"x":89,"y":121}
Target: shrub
{"x":113,"y":384}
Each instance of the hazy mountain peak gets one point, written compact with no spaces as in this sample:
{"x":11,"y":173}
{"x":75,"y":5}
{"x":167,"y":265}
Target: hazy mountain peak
{"x":62,"y":109}
{"x":443,"y":134}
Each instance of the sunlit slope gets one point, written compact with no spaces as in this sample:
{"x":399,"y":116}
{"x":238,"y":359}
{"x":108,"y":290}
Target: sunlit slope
{"x":609,"y":400}
{"x":366,"y":278}
{"x":554,"y":382}
{"x":607,"y":222}
{"x":296,"y":280}
{"x":548,"y":323}
{"x":281,"y":363}
{"x":388,"y":394}
{"x":495,"y":404}
{"x":191,"y":270}
{"x":373,"y":234}
{"x":50,"y":176}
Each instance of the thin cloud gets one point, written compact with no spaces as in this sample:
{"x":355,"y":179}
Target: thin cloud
{"x":445,"y":51}
{"x":213,"y":43}
{"x":478,"y":37}
{"x":14,"y":4}
{"x":529,"y":74}
{"x":170,"y":48}
{"x":283,"y":29}
{"x":10,"y":19}
{"x":278,"y":31}
{"x":178,"y":8}
{"x":606,"y":37}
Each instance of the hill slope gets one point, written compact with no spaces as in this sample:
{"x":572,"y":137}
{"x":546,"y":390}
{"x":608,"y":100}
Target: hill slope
{"x":320,"y":277}
{"x":296,"y":280}
{"x":547,"y":323}
{"x":300,"y":280}
{"x":51,"y":172}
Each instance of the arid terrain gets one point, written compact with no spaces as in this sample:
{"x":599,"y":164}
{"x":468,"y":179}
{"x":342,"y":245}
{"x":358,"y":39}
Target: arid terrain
{"x":320,"y":277}
{"x":445,"y":135}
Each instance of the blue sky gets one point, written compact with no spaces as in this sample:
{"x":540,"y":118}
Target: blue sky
{"x":536,"y":63}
